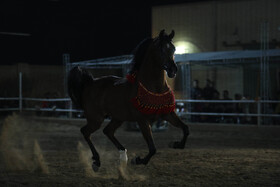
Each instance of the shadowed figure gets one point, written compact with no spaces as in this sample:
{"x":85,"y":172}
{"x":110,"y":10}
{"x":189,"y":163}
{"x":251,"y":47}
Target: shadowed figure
{"x":143,"y":96}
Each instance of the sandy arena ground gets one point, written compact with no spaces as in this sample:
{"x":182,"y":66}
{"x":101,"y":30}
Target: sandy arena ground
{"x":40,"y":152}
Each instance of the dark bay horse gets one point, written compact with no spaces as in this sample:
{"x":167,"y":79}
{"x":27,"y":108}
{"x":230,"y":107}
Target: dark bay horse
{"x":143,"y":96}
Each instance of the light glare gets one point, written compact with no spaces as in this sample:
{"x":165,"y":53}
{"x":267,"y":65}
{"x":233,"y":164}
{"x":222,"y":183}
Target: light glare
{"x":183,"y":47}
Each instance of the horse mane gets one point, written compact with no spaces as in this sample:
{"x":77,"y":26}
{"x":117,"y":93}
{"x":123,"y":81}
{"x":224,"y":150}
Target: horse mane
{"x":139,"y":54}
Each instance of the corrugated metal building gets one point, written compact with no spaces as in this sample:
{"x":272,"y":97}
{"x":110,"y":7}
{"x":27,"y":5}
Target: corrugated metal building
{"x":219,"y":25}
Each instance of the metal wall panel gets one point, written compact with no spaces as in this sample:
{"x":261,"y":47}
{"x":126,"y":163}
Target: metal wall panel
{"x":208,"y":24}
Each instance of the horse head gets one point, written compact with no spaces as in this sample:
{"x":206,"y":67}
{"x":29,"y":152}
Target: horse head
{"x":164,"y":52}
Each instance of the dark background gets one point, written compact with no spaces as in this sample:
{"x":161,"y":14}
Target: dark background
{"x":84,"y":29}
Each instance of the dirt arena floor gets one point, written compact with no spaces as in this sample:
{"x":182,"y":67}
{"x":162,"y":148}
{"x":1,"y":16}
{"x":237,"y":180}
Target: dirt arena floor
{"x":49,"y":152}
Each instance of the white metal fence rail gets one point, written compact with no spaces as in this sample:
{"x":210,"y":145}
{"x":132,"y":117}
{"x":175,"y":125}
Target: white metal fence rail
{"x":70,"y":109}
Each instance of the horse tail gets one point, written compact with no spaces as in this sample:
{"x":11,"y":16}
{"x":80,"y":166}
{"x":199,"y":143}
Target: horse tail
{"x":78,"y":79}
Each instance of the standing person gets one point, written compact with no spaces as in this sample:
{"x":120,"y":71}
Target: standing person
{"x":209,"y":90}
{"x":208,"y":93}
{"x":196,"y":91}
{"x":196,"y":94}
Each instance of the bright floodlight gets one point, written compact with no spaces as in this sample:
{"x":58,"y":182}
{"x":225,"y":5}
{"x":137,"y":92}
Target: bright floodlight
{"x":183,"y":47}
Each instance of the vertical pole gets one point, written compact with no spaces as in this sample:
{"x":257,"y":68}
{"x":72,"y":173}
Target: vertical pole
{"x":67,"y":66}
{"x":66,"y":63}
{"x":20,"y":92}
{"x":215,"y":26}
{"x":188,"y":80}
{"x":70,"y":107}
{"x":189,"y":87}
{"x":259,"y":112}
{"x":265,"y":87}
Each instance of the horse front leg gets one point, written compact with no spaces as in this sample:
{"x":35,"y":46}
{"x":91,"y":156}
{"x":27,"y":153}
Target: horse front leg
{"x":147,"y":134}
{"x":109,"y":131}
{"x":174,"y":120}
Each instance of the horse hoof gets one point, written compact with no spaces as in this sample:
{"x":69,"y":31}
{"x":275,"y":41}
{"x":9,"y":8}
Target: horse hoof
{"x":136,"y":161}
{"x":95,"y":166}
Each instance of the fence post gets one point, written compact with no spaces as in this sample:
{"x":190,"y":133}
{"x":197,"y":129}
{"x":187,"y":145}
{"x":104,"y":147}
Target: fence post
{"x":66,"y":64}
{"x":70,"y":107}
{"x":259,"y":112}
{"x":20,"y":92}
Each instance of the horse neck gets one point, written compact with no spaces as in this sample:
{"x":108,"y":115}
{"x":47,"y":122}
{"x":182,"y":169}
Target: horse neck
{"x":152,"y":77}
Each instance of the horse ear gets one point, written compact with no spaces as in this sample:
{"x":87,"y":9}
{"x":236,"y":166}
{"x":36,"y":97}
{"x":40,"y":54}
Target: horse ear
{"x":171,"y":35}
{"x":161,"y":34}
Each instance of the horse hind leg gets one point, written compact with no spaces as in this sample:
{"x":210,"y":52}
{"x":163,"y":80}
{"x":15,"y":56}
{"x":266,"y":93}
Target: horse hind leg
{"x":174,"y":120}
{"x":87,"y":130}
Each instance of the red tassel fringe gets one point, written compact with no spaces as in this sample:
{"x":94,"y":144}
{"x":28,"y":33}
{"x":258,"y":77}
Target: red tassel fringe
{"x":147,"y":102}
{"x":148,"y":110}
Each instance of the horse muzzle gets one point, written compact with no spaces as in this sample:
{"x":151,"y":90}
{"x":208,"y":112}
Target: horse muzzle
{"x":171,"y":70}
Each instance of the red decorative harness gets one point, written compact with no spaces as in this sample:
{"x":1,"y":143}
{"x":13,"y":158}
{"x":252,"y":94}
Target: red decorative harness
{"x":148,"y":102}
